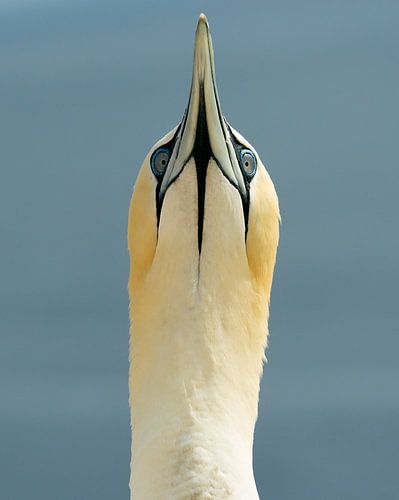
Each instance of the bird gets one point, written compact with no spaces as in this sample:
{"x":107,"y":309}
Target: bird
{"x":203,"y":231}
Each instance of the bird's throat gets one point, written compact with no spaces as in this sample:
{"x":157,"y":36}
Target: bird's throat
{"x":193,"y":413}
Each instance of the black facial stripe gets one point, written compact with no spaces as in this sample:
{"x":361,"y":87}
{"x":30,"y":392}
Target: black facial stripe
{"x":245,"y":202}
{"x":169,"y":145}
{"x":202,"y":153}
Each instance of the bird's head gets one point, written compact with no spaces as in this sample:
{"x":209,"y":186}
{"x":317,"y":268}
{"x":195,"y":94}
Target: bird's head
{"x":204,"y":214}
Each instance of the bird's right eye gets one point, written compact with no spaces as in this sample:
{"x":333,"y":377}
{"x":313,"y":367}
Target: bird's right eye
{"x":248,"y":162}
{"x":159,"y":161}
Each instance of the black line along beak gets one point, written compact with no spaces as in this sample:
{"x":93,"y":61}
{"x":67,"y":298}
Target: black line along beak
{"x":204,"y":133}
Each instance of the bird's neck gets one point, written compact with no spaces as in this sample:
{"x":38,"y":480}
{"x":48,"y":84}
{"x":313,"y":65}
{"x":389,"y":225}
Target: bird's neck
{"x":194,"y":392}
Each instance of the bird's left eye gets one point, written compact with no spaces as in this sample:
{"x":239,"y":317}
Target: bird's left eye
{"x":159,"y":161}
{"x":248,"y":162}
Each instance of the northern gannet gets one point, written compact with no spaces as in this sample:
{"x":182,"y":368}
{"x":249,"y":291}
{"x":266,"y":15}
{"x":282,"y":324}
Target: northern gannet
{"x":202,"y":234}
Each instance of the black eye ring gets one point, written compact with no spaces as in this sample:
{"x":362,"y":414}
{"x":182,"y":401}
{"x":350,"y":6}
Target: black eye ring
{"x":248,"y":163}
{"x":159,"y":161}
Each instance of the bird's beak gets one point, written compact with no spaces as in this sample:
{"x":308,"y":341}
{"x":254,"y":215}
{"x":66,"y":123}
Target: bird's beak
{"x":204,"y":132}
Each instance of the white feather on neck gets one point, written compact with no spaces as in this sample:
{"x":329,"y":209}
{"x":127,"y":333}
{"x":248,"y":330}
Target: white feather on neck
{"x":198,"y":335}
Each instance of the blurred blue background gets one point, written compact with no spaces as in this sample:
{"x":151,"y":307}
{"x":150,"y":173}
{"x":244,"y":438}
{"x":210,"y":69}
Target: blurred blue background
{"x":86,"y":88}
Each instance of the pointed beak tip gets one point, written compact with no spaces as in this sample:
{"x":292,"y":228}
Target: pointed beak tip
{"x":202,"y":18}
{"x":202,"y":21}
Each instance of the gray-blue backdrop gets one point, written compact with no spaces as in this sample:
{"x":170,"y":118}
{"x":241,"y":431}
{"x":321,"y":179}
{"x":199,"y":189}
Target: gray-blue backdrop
{"x":86,"y":87}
